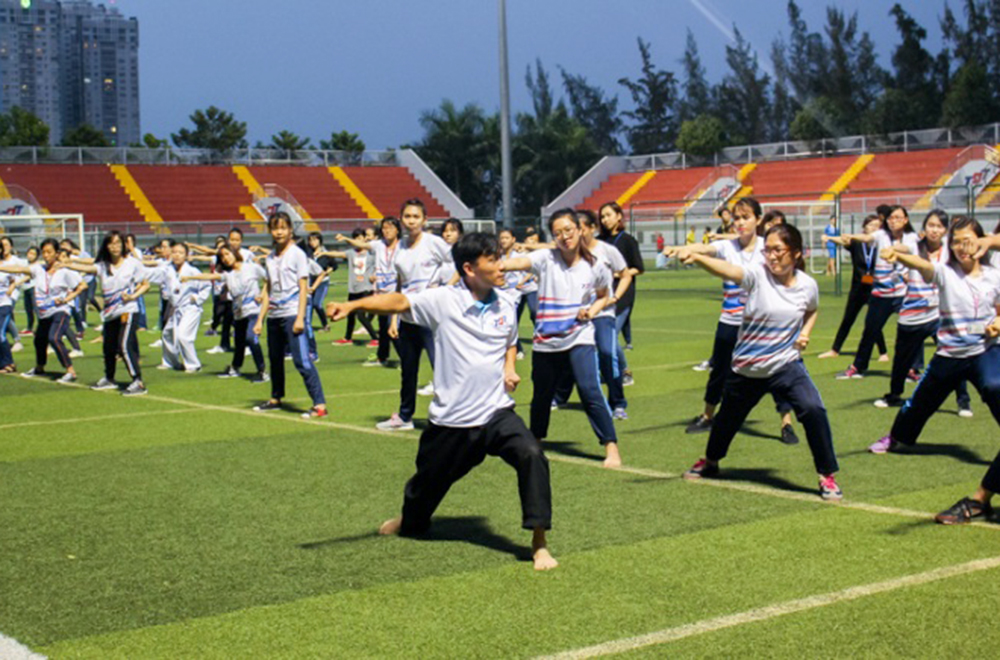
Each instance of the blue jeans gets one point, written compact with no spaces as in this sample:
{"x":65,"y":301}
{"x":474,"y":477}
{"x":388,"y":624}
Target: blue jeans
{"x":548,"y":368}
{"x":244,"y":337}
{"x":620,"y":323}
{"x":607,"y":358}
{"x":941,"y":378}
{"x":6,"y":315}
{"x":280,"y":337}
{"x":529,"y":300}
{"x":316,"y":301}
{"x":793,"y":384}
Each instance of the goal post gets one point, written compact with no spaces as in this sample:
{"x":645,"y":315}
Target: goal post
{"x":811,"y":218}
{"x":33,"y":229}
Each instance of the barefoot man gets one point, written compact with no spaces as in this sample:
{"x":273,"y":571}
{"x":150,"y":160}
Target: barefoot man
{"x":472,"y":415}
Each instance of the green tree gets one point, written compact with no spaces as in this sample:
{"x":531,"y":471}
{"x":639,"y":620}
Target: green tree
{"x":745,"y":104}
{"x":455,"y":148}
{"x":288,"y":141}
{"x":20,"y":128}
{"x":968,"y":102}
{"x":150,"y":141}
{"x":85,"y":135}
{"x":654,"y":95}
{"x":599,"y":115}
{"x":214,"y":129}
{"x":818,"y":119}
{"x":697,"y":97}
{"x":344,"y":141}
{"x":702,"y":136}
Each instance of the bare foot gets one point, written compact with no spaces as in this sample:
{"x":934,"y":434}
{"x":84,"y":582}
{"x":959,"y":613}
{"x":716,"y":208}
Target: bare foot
{"x":884,"y":357}
{"x":390,"y":527}
{"x":829,"y":354}
{"x":612,"y":459}
{"x":540,"y":555}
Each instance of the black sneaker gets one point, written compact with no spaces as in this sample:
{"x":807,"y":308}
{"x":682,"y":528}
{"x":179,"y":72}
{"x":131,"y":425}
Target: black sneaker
{"x":267,"y":405}
{"x":230,"y":372}
{"x":702,"y":470}
{"x":701,"y":424}
{"x":890,"y":401}
{"x":262,"y":377}
{"x":788,"y":436}
{"x":964,"y":511}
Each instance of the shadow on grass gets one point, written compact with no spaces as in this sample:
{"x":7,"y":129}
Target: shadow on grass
{"x":567,"y":448}
{"x":763,"y":476}
{"x":958,"y":452}
{"x":467,"y":529}
{"x":903,"y":528}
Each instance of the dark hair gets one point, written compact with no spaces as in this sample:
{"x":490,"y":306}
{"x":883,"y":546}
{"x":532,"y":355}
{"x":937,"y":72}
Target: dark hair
{"x":872,"y":218}
{"x":174,"y":244}
{"x":279,"y":216}
{"x":470,"y":247}
{"x":51,"y":242}
{"x":614,"y":206}
{"x":908,"y":228}
{"x":961,"y":222}
{"x":357,"y":232}
{"x":392,"y":221}
{"x":721,"y":210}
{"x":131,"y":237}
{"x":454,"y":222}
{"x":104,"y":253}
{"x":413,"y":201}
{"x":792,"y":238}
{"x":231,"y":250}
{"x":8,"y":241}
{"x":30,"y":248}
{"x":164,"y":240}
{"x":575,"y":219}
{"x":883,"y":210}
{"x":531,"y":231}
{"x":317,"y":235}
{"x":587,"y":217}
{"x":772,"y":215}
{"x":505,"y":230}
{"x":236,"y":230}
{"x":923,"y":249}
{"x":750,"y":203}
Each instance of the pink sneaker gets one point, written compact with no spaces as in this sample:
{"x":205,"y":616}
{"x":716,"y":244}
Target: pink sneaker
{"x":883,"y":445}
{"x":828,"y":488}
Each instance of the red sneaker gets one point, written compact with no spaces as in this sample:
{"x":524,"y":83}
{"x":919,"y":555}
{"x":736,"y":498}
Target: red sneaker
{"x":373,"y":343}
{"x":315,"y":413}
{"x":343,"y":342}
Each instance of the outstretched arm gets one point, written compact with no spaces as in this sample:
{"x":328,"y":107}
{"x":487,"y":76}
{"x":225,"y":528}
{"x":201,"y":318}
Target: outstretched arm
{"x":15,"y":270}
{"x":82,"y":267}
{"x":717,"y":267}
{"x":387,"y":303}
{"x":353,"y":242}
{"x":922,"y":266}
{"x":204,"y":277}
{"x":515,"y":263}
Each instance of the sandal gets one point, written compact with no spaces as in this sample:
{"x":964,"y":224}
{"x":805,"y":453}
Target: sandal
{"x":963,"y":512}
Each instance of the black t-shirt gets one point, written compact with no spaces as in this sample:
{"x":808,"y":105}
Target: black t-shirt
{"x":629,"y":247}
{"x":860,"y":264}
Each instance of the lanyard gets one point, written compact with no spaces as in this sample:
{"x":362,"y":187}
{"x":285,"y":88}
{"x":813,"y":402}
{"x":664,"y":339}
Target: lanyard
{"x":869,"y":252}
{"x":975,"y":298}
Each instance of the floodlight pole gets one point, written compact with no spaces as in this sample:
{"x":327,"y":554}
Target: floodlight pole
{"x":505,"y":164}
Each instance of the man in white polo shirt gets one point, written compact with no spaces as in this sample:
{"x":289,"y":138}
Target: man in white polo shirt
{"x":472,"y":415}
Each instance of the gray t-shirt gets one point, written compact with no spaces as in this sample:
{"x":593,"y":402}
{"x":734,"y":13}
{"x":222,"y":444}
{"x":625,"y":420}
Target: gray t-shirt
{"x":361,"y":270}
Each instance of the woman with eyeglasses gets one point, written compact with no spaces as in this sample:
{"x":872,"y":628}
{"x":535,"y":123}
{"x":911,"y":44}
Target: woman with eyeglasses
{"x":780,"y":312}
{"x":574,"y":287}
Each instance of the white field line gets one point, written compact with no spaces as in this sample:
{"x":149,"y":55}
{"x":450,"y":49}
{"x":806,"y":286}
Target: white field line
{"x":655,"y":474}
{"x":99,"y":418}
{"x":11,"y":649}
{"x":778,"y":609}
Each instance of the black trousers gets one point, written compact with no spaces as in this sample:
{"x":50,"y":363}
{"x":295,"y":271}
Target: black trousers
{"x":726,"y":336}
{"x":857,"y":298}
{"x":879,"y":311}
{"x":364,"y":317}
{"x":245,"y":337}
{"x":120,"y":339}
{"x":384,"y":340}
{"x":447,"y":454}
{"x":50,"y":332}
{"x":909,"y":352}
{"x":413,"y":340}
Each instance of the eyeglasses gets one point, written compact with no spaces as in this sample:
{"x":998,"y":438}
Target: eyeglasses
{"x":565,"y":233}
{"x":776,"y":252}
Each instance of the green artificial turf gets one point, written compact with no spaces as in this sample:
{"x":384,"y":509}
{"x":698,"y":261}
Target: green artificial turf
{"x":183,"y":525}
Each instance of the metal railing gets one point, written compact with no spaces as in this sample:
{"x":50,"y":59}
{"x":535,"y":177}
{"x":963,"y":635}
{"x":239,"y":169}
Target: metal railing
{"x":931,"y":138}
{"x":184,"y":156}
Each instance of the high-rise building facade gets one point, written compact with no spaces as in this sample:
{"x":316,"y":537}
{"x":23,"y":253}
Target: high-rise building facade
{"x":71,"y":63}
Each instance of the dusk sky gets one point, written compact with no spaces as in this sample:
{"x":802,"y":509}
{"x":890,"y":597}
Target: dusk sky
{"x":371,"y":66}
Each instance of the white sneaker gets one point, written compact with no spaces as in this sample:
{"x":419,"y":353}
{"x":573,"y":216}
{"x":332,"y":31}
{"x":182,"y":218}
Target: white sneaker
{"x":702,"y":366}
{"x":99,"y":328}
{"x":67,"y":378}
{"x":965,"y":412}
{"x":163,"y":366}
{"x":192,"y":370}
{"x":426,"y":390}
{"x":76,"y":353}
{"x":105,"y":384}
{"x":17,"y":347}
{"x":394,"y":423}
{"x":246,"y":352}
{"x":520,"y":355}
{"x":215,"y":350}
{"x":157,"y":344}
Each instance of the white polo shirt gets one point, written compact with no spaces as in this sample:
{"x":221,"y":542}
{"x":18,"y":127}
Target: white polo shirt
{"x":772,"y":321}
{"x":385,"y":266}
{"x":612,"y":259}
{"x":562,"y":292}
{"x":116,"y":282}
{"x":471,"y":341}
{"x":734,"y":297}
{"x":418,"y":265}
{"x":184,"y":296}
{"x":244,"y":289}
{"x":967,"y":306}
{"x":51,"y":286}
{"x":284,"y":273}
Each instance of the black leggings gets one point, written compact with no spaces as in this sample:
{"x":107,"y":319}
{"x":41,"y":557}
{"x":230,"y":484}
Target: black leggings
{"x":857,"y":298}
{"x":363,"y":317}
{"x":50,"y":332}
{"x":120,"y":339}
{"x":245,"y":336}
